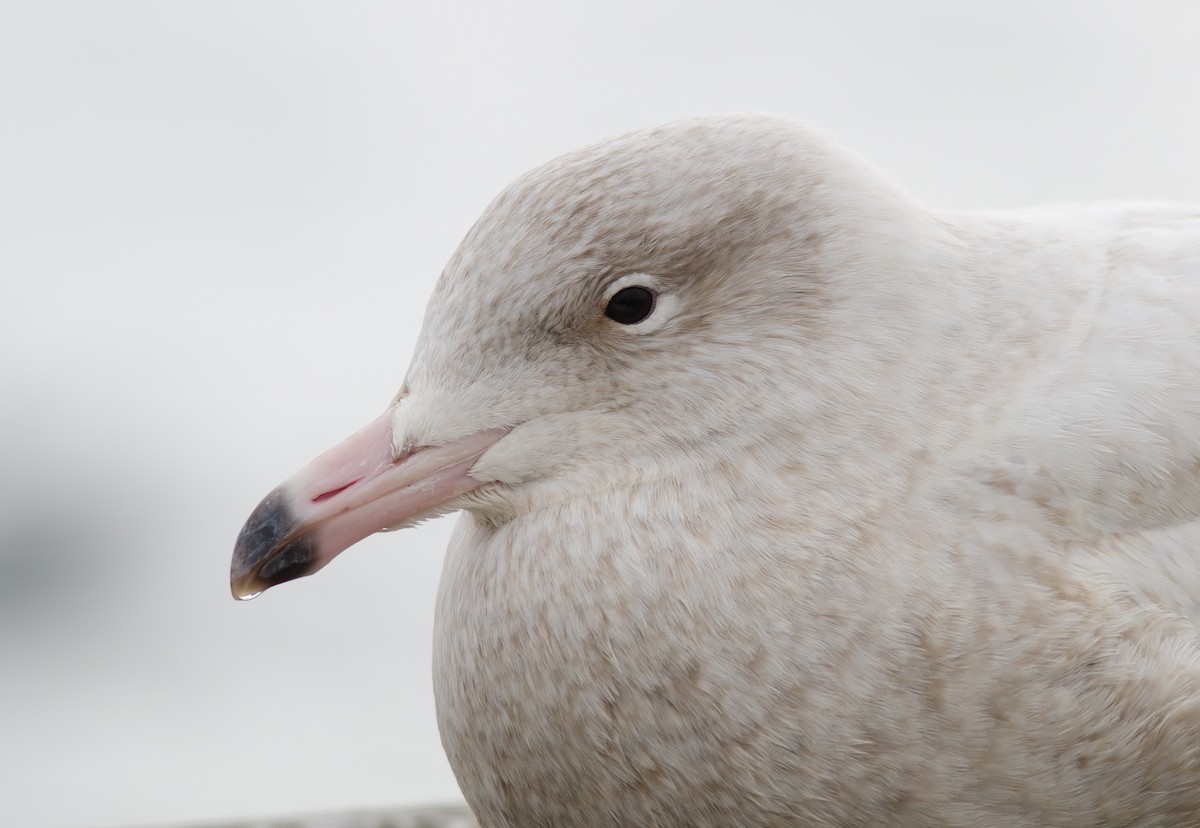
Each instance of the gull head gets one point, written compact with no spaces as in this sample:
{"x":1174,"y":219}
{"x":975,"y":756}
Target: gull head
{"x":647,"y":307}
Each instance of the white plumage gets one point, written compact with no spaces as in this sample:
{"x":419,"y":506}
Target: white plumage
{"x":884,"y":516}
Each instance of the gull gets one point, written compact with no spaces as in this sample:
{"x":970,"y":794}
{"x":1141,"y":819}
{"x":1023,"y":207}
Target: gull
{"x":787,"y":500}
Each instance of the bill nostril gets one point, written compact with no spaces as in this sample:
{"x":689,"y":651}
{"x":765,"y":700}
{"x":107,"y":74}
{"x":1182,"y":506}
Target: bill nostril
{"x":326,"y":495}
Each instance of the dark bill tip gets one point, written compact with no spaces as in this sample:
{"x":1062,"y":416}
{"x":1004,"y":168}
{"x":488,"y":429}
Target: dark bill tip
{"x":269,"y":549}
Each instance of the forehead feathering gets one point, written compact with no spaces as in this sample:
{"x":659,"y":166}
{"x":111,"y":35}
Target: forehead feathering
{"x":668,"y":198}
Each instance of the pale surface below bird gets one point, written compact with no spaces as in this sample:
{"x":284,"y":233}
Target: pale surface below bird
{"x":446,"y":817}
{"x":789,"y":501}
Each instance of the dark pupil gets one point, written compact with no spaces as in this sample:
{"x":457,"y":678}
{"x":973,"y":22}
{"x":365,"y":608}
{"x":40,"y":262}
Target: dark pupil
{"x":630,"y":305}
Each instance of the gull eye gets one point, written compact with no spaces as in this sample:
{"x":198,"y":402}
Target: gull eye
{"x":630,"y":305}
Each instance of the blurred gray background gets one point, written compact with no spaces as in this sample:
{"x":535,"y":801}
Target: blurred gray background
{"x":219,"y":224}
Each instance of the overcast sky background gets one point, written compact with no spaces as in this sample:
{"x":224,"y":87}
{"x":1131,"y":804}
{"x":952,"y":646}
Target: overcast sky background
{"x":219,"y":225}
